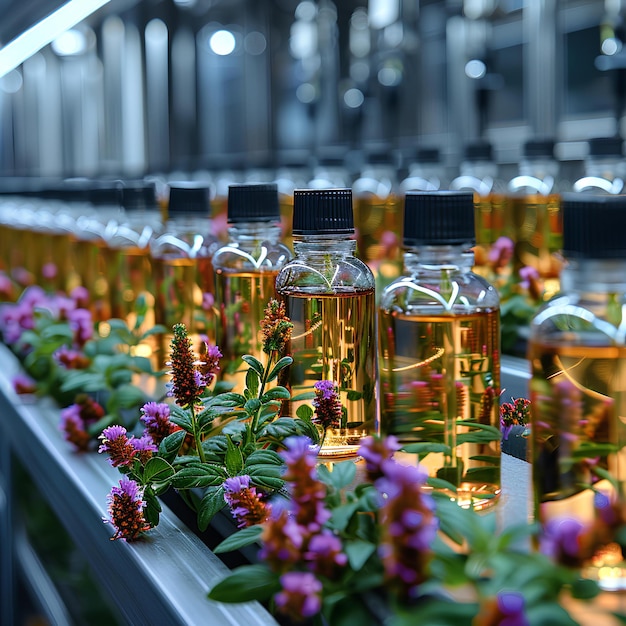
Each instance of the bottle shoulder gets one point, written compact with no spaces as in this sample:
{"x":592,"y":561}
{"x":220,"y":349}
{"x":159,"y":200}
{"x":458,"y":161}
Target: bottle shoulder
{"x":326,"y":273}
{"x":260,"y":256}
{"x":458,"y":291}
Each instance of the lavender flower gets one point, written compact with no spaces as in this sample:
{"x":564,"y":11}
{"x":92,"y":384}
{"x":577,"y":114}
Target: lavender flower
{"x":23,"y":384}
{"x":282,"y":540}
{"x":324,"y":554}
{"x":144,"y":448}
{"x":184,"y":386}
{"x":376,"y":451}
{"x":300,"y":596}
{"x":409,"y":526}
{"x":73,"y":427}
{"x":126,"y":507}
{"x":276,"y":327}
{"x":209,"y":363}
{"x":156,"y":418}
{"x":563,"y":540}
{"x":506,"y":609}
{"x":501,"y":252}
{"x":116,"y":443}
{"x":327,"y":405}
{"x":70,"y":359}
{"x":307,"y":492}
{"x":516,"y":413}
{"x":81,"y":323}
{"x":245,"y":503}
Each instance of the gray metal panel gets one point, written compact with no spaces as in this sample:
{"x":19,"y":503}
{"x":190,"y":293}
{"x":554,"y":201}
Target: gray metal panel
{"x":162,"y":579}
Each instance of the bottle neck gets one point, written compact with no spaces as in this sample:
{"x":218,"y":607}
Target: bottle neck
{"x":323,"y":245}
{"x":594,"y":275}
{"x":249,"y":232}
{"x":420,"y":259}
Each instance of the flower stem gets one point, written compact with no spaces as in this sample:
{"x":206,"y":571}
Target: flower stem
{"x":196,"y":434}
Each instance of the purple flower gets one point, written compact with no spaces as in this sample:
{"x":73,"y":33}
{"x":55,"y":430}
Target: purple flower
{"x":80,"y":295}
{"x":81,"y":323}
{"x":501,"y":252}
{"x":327,"y":405}
{"x":245,"y":503}
{"x":23,"y":384}
{"x":325,"y":555}
{"x":300,"y":596}
{"x":126,"y":507}
{"x":117,"y":445}
{"x":74,"y":427}
{"x":375,"y":451}
{"x":144,"y":447}
{"x":511,"y":607}
{"x":564,"y":540}
{"x":49,"y":271}
{"x":527,"y":274}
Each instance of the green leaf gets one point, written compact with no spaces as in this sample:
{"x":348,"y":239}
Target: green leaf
{"x":152,"y":509}
{"x":353,"y":395}
{"x":341,"y":475}
{"x":181,"y":418}
{"x":301,"y":397}
{"x":252,"y":406}
{"x":425,"y":448}
{"x":228,"y":399}
{"x":240,"y":539}
{"x":169,"y":447}
{"x":277,"y":393}
{"x":440,"y":483}
{"x":246,"y":583}
{"x":263,"y":457}
{"x":198,"y":476}
{"x":157,"y":470}
{"x":252,"y":382}
{"x":255,"y":364}
{"x":129,"y":396}
{"x":286,"y":361}
{"x":304,"y":412}
{"x":358,"y":552}
{"x":211,"y":504}
{"x":585,"y":589}
{"x":342,"y":514}
{"x":233,"y":459}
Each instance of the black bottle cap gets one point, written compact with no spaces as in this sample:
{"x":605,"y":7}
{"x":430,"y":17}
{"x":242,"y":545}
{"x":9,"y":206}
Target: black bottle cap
{"x":322,"y":211}
{"x":427,"y":155}
{"x":253,"y":202}
{"x":189,"y":198}
{"x":479,"y":151}
{"x":438,"y":218}
{"x":139,"y":196}
{"x":605,"y":146}
{"x":594,"y":226}
{"x":539,"y":148}
{"x":103,"y":193}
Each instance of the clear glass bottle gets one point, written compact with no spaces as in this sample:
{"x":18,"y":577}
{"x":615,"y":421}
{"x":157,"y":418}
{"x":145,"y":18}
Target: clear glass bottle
{"x":479,"y":174}
{"x":577,"y":354}
{"x":378,"y":215}
{"x":245,"y":274}
{"x":330,"y":297}
{"x":605,"y":168}
{"x":534,"y":198}
{"x":128,"y":253}
{"x":181,"y":258}
{"x":439,"y":330}
{"x":425,"y":171}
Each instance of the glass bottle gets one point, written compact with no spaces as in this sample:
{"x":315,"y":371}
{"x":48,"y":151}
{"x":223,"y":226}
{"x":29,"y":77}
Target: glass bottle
{"x":245,"y":274}
{"x":439,"y":330}
{"x":577,"y":355}
{"x":479,"y":174}
{"x":329,"y":295}
{"x":535,"y":212}
{"x":181,"y":258}
{"x":425,"y":171}
{"x":128,"y":253}
{"x":378,"y":215}
{"x":605,"y":168}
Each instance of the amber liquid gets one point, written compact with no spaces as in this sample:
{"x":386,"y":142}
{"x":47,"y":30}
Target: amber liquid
{"x":241,"y":298}
{"x":379,"y":227}
{"x":492,"y":220}
{"x":537,"y":233}
{"x":440,"y":383}
{"x":334,"y":338}
{"x":578,"y":400}
{"x":181,"y":298}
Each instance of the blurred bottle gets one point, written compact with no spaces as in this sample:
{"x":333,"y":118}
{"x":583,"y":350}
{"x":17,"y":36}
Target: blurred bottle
{"x":425,"y":171}
{"x":92,"y":232}
{"x":478,"y":173}
{"x":128,"y":254}
{"x":293,"y":172}
{"x":605,"y":169}
{"x":329,"y":169}
{"x":577,"y":353}
{"x":181,"y":258}
{"x":378,"y":215}
{"x":439,"y":331}
{"x":329,"y":297}
{"x":535,"y":212}
{"x":245,"y":274}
